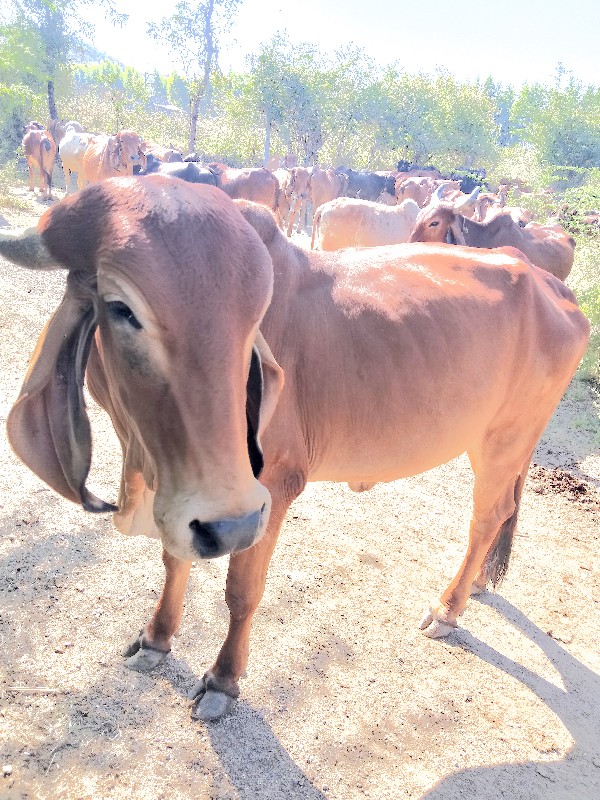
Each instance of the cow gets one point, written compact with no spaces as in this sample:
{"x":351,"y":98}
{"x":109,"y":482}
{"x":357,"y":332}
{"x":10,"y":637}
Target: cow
{"x":40,"y":152}
{"x":110,"y":156}
{"x":59,"y":128}
{"x":325,"y":185}
{"x":364,"y":185}
{"x":191,"y":172}
{"x":418,"y":189}
{"x":256,"y":358}
{"x":346,"y":222}
{"x":72,"y":148}
{"x":258,"y":185}
{"x":167,"y":155}
{"x":296,"y":193}
{"x":549,"y":247}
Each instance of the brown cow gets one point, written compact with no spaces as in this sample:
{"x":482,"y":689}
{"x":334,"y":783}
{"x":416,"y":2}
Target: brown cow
{"x":346,"y":222}
{"x":297,"y":196}
{"x":325,"y":185}
{"x":549,"y":247}
{"x":112,"y":156}
{"x":418,"y":189}
{"x":457,"y":350}
{"x":168,"y":155}
{"x":258,"y":185}
{"x":40,"y":152}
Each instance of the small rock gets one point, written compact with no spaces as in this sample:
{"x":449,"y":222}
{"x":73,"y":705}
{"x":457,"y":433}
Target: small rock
{"x":7,"y":770}
{"x":67,"y":644}
{"x":59,"y":649}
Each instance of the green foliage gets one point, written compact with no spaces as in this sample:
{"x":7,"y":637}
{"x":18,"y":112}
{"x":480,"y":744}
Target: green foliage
{"x":122,"y":87}
{"x":177,"y":91}
{"x":92,"y":108}
{"x":562,"y":124}
{"x":22,"y":83}
{"x":585,"y":282}
{"x":286,"y":97}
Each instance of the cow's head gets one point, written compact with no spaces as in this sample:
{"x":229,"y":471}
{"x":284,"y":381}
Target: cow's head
{"x":443,"y":221}
{"x":177,"y":283}
{"x":127,"y":150}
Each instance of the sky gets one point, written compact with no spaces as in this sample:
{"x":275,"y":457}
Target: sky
{"x":515,"y":41}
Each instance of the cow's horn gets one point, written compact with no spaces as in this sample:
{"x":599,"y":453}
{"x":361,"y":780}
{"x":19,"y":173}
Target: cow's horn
{"x":27,"y":249}
{"x":467,"y":201}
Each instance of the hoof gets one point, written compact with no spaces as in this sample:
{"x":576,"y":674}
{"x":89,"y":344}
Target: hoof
{"x":212,"y":706}
{"x":209,"y":704}
{"x":143,"y":657}
{"x":435,"y":628}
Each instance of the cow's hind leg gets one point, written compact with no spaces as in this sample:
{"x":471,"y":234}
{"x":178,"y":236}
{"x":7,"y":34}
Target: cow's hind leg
{"x":218,"y":689}
{"x":153,"y":644}
{"x":496,"y":498}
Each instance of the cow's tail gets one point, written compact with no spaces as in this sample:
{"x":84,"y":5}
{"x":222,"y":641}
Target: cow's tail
{"x":497,"y":560}
{"x":46,"y":162}
{"x":315,"y":225}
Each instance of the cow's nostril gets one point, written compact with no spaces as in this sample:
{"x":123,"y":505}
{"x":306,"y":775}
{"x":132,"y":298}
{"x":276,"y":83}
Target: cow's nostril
{"x":206,"y":541}
{"x":264,"y":505}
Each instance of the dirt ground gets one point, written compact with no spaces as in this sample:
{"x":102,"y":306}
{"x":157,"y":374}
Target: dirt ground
{"x":344,"y":697}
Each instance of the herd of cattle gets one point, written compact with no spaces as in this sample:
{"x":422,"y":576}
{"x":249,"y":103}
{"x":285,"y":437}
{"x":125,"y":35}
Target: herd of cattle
{"x":348,"y":208}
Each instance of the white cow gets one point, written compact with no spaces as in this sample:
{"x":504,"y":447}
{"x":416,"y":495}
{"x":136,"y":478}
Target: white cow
{"x":71,"y":149}
{"x":345,"y":222}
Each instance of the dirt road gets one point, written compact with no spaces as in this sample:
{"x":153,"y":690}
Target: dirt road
{"x":344,"y":697}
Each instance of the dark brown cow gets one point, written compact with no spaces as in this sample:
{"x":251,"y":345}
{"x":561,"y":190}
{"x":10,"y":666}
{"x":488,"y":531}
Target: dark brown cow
{"x":549,"y":247}
{"x":40,"y":152}
{"x":396,"y":359}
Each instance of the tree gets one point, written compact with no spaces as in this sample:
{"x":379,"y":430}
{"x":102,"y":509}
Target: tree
{"x":20,"y":83}
{"x":122,"y":86}
{"x":60,"y":31}
{"x":563,"y":124}
{"x":283,"y":76}
{"x":192,"y":34}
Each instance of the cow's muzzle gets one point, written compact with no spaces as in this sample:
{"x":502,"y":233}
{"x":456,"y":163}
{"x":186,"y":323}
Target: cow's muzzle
{"x":218,"y":538}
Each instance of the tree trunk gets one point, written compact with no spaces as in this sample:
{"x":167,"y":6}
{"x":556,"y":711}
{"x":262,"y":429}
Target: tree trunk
{"x":267,"y":154}
{"x":194,"y":107}
{"x":52,"y":101}
{"x":208,"y":61}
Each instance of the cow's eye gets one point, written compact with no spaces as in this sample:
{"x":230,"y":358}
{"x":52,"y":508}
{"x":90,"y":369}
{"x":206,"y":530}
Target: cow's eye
{"x":121,"y":312}
{"x":434,"y":223}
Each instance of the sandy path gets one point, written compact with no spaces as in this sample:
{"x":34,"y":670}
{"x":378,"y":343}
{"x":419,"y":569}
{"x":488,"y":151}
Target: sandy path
{"x":344,"y":697}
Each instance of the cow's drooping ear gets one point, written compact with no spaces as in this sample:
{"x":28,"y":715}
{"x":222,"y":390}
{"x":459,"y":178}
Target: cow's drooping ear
{"x":115,"y":158}
{"x":48,"y":427}
{"x":265,"y":382}
{"x":254,"y":394}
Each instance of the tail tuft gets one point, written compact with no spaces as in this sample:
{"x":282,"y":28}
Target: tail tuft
{"x":497,"y":560}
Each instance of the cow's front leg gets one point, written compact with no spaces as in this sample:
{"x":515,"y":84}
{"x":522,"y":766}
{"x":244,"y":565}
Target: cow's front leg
{"x":153,"y":644}
{"x":218,"y":689}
